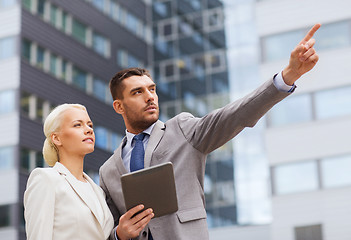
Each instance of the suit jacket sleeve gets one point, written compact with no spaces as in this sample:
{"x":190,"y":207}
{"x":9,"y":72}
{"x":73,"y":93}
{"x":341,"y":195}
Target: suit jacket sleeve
{"x":216,"y":128}
{"x":39,"y":205}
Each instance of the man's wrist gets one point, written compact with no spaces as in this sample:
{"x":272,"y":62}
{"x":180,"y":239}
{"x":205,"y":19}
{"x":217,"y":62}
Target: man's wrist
{"x":290,"y":76}
{"x":281,"y":85}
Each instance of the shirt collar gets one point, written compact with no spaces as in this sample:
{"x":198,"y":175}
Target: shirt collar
{"x":131,"y":135}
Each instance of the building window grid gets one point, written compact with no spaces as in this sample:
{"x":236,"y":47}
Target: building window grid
{"x":63,"y":21}
{"x":122,"y":16}
{"x":7,"y":47}
{"x":38,"y":109}
{"x":320,"y":175}
{"x":31,"y":159}
{"x":125,"y":59}
{"x":328,"y":41}
{"x":200,"y":64}
{"x":7,"y":157}
{"x":61,"y":69}
{"x":315,"y":114}
{"x":179,"y":27}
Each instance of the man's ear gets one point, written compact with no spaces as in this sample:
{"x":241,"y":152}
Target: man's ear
{"x":118,"y":106}
{"x":55,"y":139}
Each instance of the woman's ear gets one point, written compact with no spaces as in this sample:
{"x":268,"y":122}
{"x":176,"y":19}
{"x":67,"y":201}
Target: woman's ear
{"x":55,"y":139}
{"x":118,"y":106}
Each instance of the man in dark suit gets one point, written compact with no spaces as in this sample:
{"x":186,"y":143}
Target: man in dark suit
{"x":185,"y":141}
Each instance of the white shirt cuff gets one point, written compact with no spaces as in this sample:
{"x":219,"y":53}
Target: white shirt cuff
{"x":281,"y":85}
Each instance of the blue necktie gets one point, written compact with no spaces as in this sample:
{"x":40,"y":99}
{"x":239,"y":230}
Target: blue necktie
{"x":137,"y":157}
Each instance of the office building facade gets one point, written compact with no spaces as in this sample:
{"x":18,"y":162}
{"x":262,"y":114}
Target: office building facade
{"x":53,"y":52}
{"x":190,"y":69}
{"x":305,"y":138}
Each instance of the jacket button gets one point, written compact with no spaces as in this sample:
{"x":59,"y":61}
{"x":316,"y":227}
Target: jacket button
{"x":144,"y":234}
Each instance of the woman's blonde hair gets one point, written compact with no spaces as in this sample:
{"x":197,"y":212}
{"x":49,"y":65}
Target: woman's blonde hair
{"x":52,"y":124}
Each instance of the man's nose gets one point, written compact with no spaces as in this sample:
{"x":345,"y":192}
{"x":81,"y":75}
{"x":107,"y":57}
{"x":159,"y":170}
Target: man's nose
{"x":150,"y":96}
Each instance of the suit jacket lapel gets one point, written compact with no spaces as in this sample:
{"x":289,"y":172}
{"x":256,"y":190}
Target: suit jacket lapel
{"x":73,"y":182}
{"x":155,"y":137}
{"x":118,"y":157}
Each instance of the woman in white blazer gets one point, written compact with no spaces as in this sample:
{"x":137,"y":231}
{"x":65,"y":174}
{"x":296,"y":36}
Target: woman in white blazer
{"x":62,"y":202}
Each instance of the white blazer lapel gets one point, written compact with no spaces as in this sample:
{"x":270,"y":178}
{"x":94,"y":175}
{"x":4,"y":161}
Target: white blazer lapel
{"x":77,"y":188}
{"x":100,"y":195}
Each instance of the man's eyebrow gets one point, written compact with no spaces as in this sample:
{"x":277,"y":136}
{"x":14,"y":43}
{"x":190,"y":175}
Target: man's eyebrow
{"x":135,"y":89}
{"x":139,"y":88}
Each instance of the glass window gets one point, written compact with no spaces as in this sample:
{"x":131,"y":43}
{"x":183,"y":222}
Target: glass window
{"x":7,"y":47}
{"x":336,"y":171}
{"x":41,"y":7}
{"x":39,"y":159}
{"x":64,"y":21}
{"x":114,"y":10}
{"x":26,"y":49}
{"x":132,"y":22}
{"x":122,"y":13}
{"x":40,"y":57}
{"x":5,"y":215}
{"x":64,"y":69}
{"x":25,"y":101}
{"x":295,"y":109}
{"x":7,"y":101}
{"x":53,"y":15}
{"x":79,"y":78}
{"x":333,"y":103}
{"x":169,"y":70}
{"x":309,"y":232}
{"x":295,"y":177}
{"x":335,"y":35}
{"x":214,"y":19}
{"x":98,"y":4}
{"x":99,"y":89}
{"x":25,"y":160}
{"x":133,"y":61}
{"x":160,"y":8}
{"x":53,"y":64}
{"x":27,"y":4}
{"x":122,"y":58}
{"x":100,"y":44}
{"x":7,"y":157}
{"x":167,"y":29}
{"x":115,"y":141}
{"x":101,"y":137}
{"x":79,"y":31}
{"x":277,"y":47}
{"x":39,"y":109}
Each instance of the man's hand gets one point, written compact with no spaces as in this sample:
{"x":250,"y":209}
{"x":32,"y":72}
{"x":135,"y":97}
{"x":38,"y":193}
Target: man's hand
{"x":130,"y":226}
{"x":302,"y":59}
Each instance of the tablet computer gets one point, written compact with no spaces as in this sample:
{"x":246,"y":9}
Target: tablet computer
{"x":153,"y":187}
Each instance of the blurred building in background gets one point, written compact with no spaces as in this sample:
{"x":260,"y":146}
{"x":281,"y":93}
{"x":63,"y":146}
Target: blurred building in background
{"x":53,"y":52}
{"x":287,"y":178}
{"x":190,"y":68}
{"x":305,"y":139}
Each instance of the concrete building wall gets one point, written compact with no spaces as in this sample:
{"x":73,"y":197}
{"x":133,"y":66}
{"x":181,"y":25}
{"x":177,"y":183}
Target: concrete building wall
{"x":315,"y":139}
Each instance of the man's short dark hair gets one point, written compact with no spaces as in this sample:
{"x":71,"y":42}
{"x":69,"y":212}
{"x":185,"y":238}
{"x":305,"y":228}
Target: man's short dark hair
{"x":116,"y":85}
